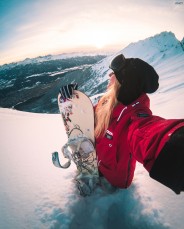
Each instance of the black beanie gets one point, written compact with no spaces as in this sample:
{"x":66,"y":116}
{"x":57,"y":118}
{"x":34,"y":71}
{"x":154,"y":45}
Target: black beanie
{"x":136,"y":77}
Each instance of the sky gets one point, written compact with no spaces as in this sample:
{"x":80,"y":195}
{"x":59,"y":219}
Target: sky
{"x":30,"y":28}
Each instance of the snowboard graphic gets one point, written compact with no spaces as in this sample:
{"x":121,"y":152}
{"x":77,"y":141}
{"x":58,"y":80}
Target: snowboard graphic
{"x":78,"y":119}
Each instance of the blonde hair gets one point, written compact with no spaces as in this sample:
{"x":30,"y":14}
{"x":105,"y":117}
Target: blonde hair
{"x":105,"y":107}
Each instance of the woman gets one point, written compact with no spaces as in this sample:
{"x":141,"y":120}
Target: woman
{"x":126,"y":131}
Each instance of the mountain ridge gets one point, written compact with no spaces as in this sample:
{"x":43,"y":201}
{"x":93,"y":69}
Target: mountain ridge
{"x":155,"y":50}
{"x":179,"y":44}
{"x":50,"y":57}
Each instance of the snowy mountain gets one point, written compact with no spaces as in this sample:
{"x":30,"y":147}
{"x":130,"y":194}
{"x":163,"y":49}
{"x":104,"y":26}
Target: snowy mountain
{"x":161,"y":46}
{"x":49,"y":57}
{"x":158,"y":51}
{"x":38,"y":82}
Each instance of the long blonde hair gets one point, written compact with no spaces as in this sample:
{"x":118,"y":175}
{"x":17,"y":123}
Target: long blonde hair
{"x":105,"y":107}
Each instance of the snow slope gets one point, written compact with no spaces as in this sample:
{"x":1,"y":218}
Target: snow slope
{"x":35,"y":194}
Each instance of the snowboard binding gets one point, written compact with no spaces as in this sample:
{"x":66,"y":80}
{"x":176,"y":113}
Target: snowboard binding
{"x":80,"y":150}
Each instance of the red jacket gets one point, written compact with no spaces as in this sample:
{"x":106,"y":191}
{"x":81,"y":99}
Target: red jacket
{"x":134,"y":134}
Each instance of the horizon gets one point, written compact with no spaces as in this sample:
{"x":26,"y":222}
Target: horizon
{"x":92,"y":52}
{"x":32,"y":29}
{"x":69,"y":53}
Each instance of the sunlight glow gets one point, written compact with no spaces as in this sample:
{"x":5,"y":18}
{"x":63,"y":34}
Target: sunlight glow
{"x":61,"y":26}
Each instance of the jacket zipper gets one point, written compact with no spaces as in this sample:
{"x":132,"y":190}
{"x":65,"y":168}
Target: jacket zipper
{"x":121,"y":113}
{"x":128,"y":172}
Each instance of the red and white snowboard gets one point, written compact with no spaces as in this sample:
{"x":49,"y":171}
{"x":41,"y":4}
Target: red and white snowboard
{"x":78,"y":118}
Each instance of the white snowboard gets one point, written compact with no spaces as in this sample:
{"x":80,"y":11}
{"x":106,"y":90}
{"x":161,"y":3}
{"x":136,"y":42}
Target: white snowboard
{"x":78,"y":118}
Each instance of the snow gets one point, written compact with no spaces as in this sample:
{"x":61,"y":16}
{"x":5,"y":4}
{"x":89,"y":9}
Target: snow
{"x":70,"y":69}
{"x":35,"y":194}
{"x":27,"y":173}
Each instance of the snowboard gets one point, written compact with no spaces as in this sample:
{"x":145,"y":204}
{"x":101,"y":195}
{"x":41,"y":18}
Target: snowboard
{"x":77,"y":116}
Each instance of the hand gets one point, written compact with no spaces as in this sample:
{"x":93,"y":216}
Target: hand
{"x":67,"y":91}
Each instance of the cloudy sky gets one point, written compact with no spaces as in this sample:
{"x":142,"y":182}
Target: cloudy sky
{"x":29,"y":28}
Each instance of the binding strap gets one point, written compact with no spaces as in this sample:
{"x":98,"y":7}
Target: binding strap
{"x":81,"y":147}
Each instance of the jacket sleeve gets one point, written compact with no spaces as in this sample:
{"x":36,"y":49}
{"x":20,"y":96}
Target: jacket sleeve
{"x":140,"y":136}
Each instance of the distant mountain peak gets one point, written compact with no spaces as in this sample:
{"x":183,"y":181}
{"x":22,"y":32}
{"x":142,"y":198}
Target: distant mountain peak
{"x":162,"y":45}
